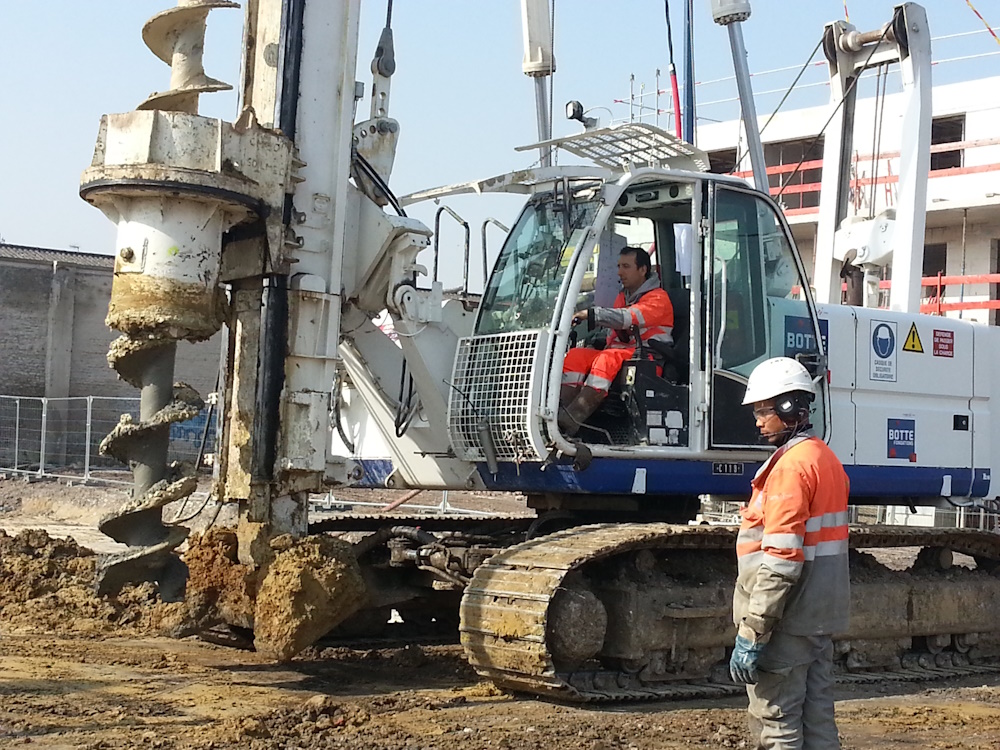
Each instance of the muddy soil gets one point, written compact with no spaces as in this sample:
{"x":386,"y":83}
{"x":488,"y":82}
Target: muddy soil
{"x":82,"y":672}
{"x":124,"y":692}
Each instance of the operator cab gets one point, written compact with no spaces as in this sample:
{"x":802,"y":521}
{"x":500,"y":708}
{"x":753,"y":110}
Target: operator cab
{"x":723,"y":254}
{"x":649,"y":401}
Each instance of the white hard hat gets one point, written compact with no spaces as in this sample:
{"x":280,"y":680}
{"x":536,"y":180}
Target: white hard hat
{"x":777,"y":376}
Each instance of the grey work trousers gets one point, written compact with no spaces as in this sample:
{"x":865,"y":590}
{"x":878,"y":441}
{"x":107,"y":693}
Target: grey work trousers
{"x":791,"y":706}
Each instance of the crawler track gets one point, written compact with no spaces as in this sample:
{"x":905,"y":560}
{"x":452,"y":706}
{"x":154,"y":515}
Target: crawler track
{"x":505,"y":613}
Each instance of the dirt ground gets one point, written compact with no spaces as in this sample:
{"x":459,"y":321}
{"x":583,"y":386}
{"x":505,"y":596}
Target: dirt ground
{"x":80,"y":672}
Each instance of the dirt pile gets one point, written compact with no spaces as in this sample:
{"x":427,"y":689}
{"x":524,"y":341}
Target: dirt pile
{"x":220,"y":591}
{"x":312,"y":584}
{"x":46,"y":585}
{"x":10,"y":497}
{"x":307,"y":587}
{"x":58,"y":500}
{"x":320,"y":722}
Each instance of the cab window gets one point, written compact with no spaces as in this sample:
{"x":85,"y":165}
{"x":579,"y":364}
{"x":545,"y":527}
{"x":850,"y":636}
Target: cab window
{"x":757,"y":306}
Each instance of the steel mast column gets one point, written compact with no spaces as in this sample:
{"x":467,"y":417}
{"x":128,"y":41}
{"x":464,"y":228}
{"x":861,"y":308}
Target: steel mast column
{"x":732,"y":13}
{"x":749,"y":109}
{"x":539,"y":63}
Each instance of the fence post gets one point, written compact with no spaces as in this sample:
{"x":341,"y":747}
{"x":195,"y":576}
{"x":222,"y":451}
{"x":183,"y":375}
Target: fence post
{"x":41,"y":441}
{"x":17,"y":430}
{"x":86,"y":449}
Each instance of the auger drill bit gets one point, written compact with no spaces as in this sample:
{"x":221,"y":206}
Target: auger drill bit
{"x":174,"y":182}
{"x":143,"y":445}
{"x":177,"y":36}
{"x":156,"y":174}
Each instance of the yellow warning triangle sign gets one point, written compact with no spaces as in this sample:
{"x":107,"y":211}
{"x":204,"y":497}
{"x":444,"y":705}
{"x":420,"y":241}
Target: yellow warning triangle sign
{"x":913,"y":341}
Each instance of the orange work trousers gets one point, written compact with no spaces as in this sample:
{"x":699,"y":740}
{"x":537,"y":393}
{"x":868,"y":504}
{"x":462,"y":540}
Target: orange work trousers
{"x":592,"y":368}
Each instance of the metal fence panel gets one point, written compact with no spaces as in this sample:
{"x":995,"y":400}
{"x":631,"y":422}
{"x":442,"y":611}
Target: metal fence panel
{"x":61,"y":437}
{"x":20,"y":433}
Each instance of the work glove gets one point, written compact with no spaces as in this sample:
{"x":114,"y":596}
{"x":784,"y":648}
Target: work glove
{"x":743,"y":662}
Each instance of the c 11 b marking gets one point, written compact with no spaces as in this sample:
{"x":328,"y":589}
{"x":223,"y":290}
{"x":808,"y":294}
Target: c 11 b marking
{"x":727,"y":469}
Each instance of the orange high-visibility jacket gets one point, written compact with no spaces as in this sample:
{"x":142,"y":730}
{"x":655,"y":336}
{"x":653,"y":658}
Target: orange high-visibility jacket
{"x":792,"y":545}
{"x":648,"y":307}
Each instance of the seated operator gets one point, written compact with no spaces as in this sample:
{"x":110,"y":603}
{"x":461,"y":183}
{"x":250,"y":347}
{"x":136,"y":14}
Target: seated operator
{"x":587,"y":373}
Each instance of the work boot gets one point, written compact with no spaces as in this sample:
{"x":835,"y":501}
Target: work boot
{"x":572,"y":417}
{"x":567,"y":393}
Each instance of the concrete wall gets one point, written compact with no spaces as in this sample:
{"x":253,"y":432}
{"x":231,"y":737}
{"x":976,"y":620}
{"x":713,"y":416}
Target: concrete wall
{"x":976,"y":257}
{"x":24,"y":305}
{"x":55,"y":345}
{"x":55,"y":341}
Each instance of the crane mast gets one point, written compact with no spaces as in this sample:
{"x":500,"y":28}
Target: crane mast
{"x":897,"y":236}
{"x":539,"y":64}
{"x":732,"y":14}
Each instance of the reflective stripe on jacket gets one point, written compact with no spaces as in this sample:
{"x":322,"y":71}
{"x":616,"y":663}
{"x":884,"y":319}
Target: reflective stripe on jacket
{"x":792,"y":545}
{"x":592,"y":368}
{"x":648,"y":307}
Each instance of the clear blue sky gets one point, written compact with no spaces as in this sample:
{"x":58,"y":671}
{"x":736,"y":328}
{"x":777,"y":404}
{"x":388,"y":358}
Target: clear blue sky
{"x":459,"y":94}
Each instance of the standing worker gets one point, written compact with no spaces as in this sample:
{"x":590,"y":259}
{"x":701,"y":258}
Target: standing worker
{"x":793,"y":587}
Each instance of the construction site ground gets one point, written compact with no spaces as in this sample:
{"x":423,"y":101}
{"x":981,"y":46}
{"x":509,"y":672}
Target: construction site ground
{"x":80,"y":672}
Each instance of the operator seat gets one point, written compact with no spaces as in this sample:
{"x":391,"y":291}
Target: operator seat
{"x":676,"y":356}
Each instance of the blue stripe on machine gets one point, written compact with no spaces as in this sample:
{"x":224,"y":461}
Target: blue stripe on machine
{"x":606,"y":476}
{"x":903,"y":481}
{"x":981,"y":483}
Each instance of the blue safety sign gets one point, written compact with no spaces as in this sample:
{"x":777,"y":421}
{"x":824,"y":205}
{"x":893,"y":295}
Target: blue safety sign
{"x":883,"y":341}
{"x":883,"y":351}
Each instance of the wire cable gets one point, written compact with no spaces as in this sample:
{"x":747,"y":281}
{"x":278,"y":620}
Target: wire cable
{"x":880,"y":119}
{"x":376,"y":178}
{"x":850,"y":88}
{"x":337,"y":416}
{"x":554,"y":152}
{"x":980,"y":15}
{"x":406,"y":406}
{"x":874,"y":158}
{"x":742,"y":155}
{"x":194,"y":515}
{"x":672,"y":69}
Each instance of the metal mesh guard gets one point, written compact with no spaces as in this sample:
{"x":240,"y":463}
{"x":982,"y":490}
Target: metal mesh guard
{"x":494,"y":378}
{"x":637,"y":144}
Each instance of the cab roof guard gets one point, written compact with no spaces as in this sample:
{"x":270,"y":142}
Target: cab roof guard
{"x":613,"y":150}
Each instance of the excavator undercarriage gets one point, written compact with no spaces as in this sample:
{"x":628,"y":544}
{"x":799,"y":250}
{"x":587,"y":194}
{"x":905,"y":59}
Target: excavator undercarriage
{"x":632,"y":611}
{"x":642,"y":611}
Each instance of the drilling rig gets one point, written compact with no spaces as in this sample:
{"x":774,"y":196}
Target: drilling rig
{"x":283,"y":226}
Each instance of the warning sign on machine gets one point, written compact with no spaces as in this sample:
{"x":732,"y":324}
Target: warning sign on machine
{"x":944,"y":343}
{"x":913,"y":341}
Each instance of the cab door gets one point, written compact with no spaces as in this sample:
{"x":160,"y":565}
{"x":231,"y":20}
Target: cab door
{"x":758,"y":306}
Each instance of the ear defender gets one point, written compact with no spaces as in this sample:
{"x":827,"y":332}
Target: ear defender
{"x":791,"y":405}
{"x":786,"y":406}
